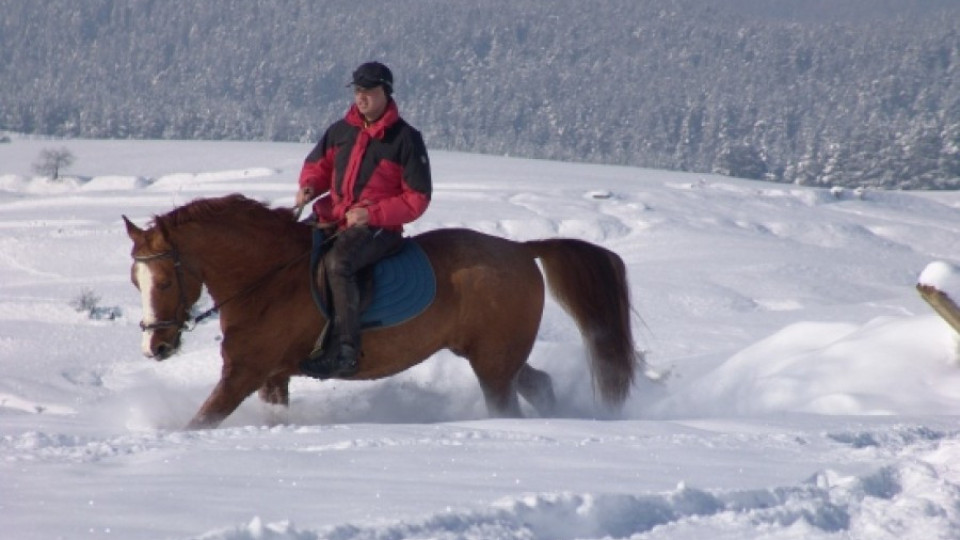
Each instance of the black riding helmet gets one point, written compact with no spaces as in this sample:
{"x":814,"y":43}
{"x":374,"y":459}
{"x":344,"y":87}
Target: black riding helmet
{"x":372,"y":75}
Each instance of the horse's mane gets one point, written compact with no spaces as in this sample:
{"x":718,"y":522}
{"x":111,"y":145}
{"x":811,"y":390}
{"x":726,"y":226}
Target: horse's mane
{"x":235,"y":209}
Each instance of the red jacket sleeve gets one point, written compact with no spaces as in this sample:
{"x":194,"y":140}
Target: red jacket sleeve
{"x":416,"y":187}
{"x":397,"y":211}
{"x":318,"y":173}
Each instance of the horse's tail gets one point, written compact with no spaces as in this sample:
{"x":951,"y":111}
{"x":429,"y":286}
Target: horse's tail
{"x":590,"y":282}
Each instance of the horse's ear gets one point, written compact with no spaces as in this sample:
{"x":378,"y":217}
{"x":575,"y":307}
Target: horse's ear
{"x":135,"y":233}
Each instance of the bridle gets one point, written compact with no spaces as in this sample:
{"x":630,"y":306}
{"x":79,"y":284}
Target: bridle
{"x":189,"y":323}
{"x":181,"y":302}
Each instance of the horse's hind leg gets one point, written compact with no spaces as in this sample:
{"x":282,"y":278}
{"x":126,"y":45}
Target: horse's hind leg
{"x":537,"y":388}
{"x":501,"y":399}
{"x":275,"y":393}
{"x":497,"y":375}
{"x":276,"y":390}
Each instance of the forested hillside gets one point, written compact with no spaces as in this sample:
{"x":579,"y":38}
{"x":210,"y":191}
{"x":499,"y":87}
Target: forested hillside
{"x":855,"y":93}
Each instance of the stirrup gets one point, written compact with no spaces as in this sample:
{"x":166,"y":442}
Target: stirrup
{"x":348,"y":359}
{"x":327,"y":364}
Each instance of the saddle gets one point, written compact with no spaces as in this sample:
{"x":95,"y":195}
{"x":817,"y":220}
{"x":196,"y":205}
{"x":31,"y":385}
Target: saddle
{"x":392,"y":291}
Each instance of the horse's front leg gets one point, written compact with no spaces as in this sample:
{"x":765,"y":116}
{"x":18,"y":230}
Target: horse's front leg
{"x":237,"y":382}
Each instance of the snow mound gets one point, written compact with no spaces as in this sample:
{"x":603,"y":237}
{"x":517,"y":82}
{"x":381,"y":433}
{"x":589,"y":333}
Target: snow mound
{"x":12,"y":182}
{"x":833,"y":368}
{"x":38,"y":185}
{"x":942,"y":276}
{"x":16,"y":403}
{"x":179,"y":180}
{"x":115,"y":183}
{"x":41,"y":185}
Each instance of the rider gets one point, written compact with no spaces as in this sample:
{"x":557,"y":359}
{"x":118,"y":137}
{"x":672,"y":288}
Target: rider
{"x":373,"y":167}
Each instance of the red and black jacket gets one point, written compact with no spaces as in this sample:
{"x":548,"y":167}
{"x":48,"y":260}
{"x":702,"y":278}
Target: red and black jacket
{"x":382,"y":166}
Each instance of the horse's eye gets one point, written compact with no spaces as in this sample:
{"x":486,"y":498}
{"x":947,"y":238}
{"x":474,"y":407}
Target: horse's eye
{"x":164,"y":285}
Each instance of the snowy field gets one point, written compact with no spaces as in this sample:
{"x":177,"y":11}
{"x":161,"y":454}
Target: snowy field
{"x":809,"y":391}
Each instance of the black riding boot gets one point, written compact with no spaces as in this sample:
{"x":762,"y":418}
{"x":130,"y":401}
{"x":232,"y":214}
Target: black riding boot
{"x":332,"y":356}
{"x":354,"y":249}
{"x":346,"y":305}
{"x":337,"y":355}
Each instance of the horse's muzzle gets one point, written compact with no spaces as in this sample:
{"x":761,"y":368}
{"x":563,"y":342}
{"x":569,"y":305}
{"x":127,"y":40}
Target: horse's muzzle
{"x":161,"y":349}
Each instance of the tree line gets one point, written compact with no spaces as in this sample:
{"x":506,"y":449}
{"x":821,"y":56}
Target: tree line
{"x":863,"y":94}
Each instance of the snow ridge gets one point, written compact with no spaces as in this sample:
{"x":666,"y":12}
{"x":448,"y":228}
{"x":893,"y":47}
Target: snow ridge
{"x":910,"y":499}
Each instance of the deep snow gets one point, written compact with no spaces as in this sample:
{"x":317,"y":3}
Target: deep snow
{"x":809,"y":392}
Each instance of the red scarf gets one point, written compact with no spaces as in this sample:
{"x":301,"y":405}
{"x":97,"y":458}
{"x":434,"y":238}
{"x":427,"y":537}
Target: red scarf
{"x":375,"y":130}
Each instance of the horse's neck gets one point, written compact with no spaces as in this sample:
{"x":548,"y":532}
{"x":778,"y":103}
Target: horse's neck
{"x":232,"y":261}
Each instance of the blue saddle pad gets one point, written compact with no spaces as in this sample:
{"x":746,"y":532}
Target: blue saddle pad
{"x":404,"y":286}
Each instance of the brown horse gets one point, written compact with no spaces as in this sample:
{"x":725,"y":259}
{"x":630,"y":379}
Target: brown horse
{"x":489,"y":301}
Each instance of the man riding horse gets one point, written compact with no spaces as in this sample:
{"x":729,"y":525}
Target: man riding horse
{"x":372,"y":171}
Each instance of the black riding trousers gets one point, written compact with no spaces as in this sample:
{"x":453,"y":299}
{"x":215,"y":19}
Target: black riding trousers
{"x":354,"y":249}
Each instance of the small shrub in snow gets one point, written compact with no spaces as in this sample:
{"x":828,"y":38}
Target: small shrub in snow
{"x":86,"y":301}
{"x":105,"y":313}
{"x":89,"y":301}
{"x":600,"y":194}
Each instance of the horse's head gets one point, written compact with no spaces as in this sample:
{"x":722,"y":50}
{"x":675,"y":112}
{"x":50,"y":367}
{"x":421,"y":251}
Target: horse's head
{"x":167,"y":289}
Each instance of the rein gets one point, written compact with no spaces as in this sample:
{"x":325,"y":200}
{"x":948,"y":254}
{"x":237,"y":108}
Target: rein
{"x":189,"y":323}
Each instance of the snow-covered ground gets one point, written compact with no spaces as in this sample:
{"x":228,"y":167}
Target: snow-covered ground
{"x":809,"y":392}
